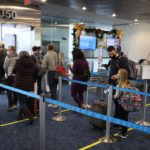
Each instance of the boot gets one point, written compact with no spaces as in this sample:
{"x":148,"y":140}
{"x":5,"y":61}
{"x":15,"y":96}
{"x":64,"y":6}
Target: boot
{"x":27,"y":113}
{"x":20,"y":115}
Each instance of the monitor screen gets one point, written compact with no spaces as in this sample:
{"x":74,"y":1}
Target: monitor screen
{"x":112,"y":42}
{"x":87,"y":42}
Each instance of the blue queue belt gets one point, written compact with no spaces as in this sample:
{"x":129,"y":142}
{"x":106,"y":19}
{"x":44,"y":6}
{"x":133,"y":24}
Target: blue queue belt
{"x":86,"y":83}
{"x":101,"y":74}
{"x":87,"y":112}
{"x":99,"y":116}
{"x":33,"y":95}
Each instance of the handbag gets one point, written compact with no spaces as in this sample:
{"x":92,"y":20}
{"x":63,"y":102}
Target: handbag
{"x":60,"y":70}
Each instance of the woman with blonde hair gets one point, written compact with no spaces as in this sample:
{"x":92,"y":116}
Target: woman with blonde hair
{"x":123,"y":115}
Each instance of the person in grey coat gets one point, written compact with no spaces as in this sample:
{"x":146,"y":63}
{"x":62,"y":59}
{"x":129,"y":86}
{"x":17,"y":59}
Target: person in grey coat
{"x":8,"y":66}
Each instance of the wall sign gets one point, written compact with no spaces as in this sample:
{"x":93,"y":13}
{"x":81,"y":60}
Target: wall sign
{"x":145,"y":72}
{"x":8,"y":14}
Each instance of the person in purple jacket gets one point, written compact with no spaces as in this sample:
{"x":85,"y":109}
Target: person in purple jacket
{"x":79,"y":69}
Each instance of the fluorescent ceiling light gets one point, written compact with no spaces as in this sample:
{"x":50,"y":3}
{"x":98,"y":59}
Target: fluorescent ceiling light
{"x":44,"y":0}
{"x":136,"y":20}
{"x":113,"y":15}
{"x":17,"y":7}
{"x":84,"y":8}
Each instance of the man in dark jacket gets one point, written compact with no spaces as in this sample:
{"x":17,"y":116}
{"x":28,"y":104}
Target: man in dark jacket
{"x":3,"y":53}
{"x":117,"y":61}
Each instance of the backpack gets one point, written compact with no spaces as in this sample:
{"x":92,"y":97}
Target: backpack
{"x":38,"y":63}
{"x":85,"y":76}
{"x":132,"y":69}
{"x":130,"y":102}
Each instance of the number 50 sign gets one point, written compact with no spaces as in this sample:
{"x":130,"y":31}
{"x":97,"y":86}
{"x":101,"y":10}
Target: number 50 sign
{"x":8,"y":14}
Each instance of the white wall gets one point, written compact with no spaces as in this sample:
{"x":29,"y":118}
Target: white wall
{"x":25,"y":38}
{"x":136,"y":41}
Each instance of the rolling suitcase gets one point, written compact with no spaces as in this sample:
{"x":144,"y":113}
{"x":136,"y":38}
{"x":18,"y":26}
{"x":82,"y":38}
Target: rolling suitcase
{"x":98,"y":107}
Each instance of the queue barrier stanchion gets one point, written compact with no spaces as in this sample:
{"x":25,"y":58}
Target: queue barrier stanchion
{"x":59,"y":117}
{"x":108,"y":138}
{"x":143,"y":122}
{"x":86,"y":105}
{"x":42,"y":123}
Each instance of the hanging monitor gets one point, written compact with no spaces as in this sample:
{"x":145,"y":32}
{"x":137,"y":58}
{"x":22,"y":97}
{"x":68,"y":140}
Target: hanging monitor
{"x":112,"y":42}
{"x":87,"y":42}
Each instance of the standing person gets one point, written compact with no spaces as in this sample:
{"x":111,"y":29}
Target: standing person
{"x":25,"y":72}
{"x":3,"y":54}
{"x":79,"y":66}
{"x":117,"y":62}
{"x":122,"y":83}
{"x":37,"y":59}
{"x":50,"y":64}
{"x":9,"y":63}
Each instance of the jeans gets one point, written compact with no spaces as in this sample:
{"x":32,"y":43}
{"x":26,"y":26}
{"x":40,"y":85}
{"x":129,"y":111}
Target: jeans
{"x":52,"y":82}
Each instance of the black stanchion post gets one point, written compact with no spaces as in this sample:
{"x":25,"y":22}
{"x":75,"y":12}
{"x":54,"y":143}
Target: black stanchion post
{"x":108,"y":138}
{"x":42,"y":123}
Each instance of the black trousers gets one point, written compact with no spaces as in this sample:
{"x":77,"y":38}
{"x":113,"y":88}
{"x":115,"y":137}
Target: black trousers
{"x":2,"y":74}
{"x":12,"y":96}
{"x":23,"y":106}
{"x":39,"y":88}
{"x":120,"y":113}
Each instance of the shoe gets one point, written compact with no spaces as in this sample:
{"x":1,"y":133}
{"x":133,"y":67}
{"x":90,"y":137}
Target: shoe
{"x":52,"y":106}
{"x":124,"y":136}
{"x":12,"y":107}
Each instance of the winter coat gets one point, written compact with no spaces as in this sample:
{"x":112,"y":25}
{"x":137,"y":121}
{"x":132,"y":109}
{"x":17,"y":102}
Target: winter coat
{"x":2,"y":58}
{"x":25,"y":74}
{"x":3,"y":54}
{"x":9,"y":63}
{"x":78,"y":67}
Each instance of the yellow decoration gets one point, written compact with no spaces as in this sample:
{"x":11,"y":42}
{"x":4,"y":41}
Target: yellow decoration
{"x":75,"y":25}
{"x":79,"y":28}
{"x":119,"y":34}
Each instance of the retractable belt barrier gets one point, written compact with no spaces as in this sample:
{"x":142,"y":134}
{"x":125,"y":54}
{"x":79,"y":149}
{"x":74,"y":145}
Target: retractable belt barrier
{"x":101,"y":74}
{"x":87,"y":112}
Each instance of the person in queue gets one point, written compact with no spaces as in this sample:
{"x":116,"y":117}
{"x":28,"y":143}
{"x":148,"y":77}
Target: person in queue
{"x":37,"y":59}
{"x":25,"y":75}
{"x":117,"y":62}
{"x":122,"y":82}
{"x":79,"y":65}
{"x":9,"y":63}
{"x":49,"y":63}
{"x":3,"y":53}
